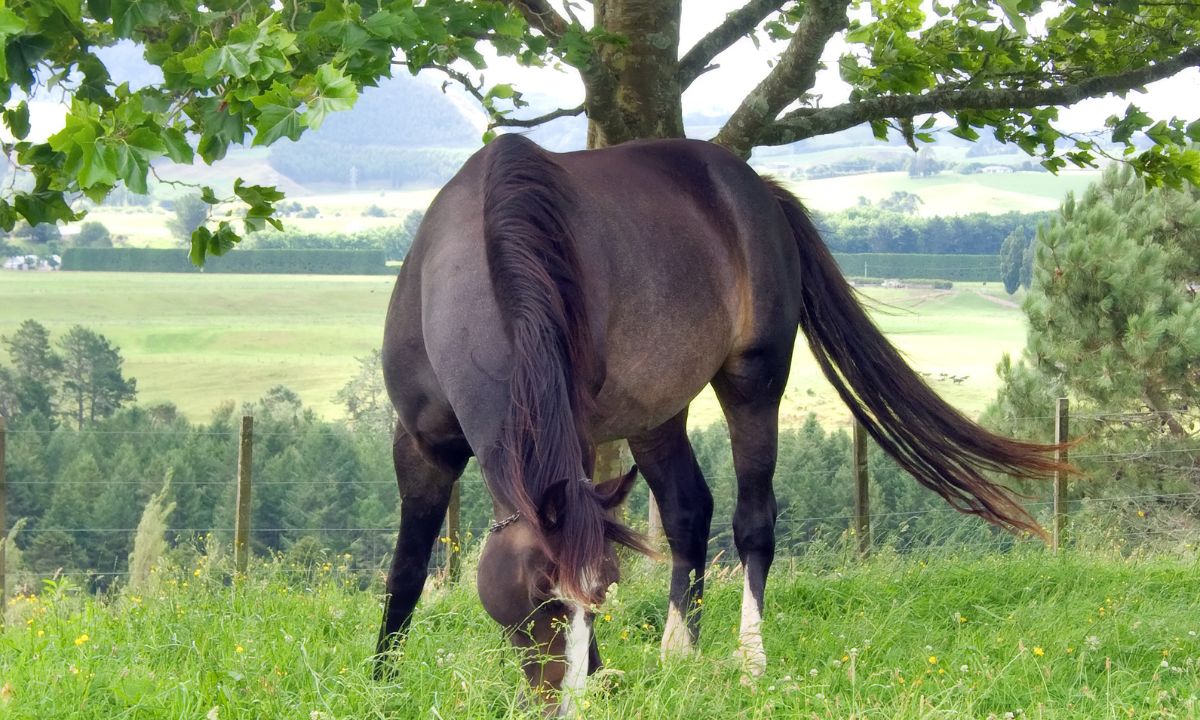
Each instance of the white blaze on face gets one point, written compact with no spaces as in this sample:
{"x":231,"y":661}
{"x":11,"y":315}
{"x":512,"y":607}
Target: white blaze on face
{"x":677,"y":639}
{"x":750,"y":639}
{"x":579,"y":638}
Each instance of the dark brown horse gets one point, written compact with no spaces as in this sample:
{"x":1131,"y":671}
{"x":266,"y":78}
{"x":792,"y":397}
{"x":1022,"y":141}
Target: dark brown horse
{"x":554,"y":301}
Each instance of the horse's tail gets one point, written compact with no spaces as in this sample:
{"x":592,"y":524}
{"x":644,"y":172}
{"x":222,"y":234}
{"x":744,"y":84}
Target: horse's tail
{"x":944,"y":450}
{"x":537,"y":283}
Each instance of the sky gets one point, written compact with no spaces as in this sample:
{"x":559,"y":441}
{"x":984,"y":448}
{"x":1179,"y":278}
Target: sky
{"x":719,"y":91}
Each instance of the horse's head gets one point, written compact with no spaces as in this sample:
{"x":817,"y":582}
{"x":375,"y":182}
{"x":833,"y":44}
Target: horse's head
{"x":541,"y":578}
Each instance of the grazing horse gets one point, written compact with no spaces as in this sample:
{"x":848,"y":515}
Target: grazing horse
{"x":551,"y":302}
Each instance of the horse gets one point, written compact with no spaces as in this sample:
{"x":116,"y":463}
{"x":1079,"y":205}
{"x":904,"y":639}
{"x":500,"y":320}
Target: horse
{"x":554,"y":301}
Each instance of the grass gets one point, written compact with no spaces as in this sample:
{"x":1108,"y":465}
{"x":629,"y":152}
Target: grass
{"x":946,"y":636}
{"x":201,"y":340}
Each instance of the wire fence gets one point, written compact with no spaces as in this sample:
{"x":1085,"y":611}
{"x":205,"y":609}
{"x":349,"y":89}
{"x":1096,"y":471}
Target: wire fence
{"x":364,"y":548}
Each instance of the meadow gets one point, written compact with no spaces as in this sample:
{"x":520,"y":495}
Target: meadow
{"x":1084,"y":635}
{"x":202,"y":340}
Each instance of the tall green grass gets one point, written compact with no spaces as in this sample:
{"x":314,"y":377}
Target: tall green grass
{"x":1022,"y":634}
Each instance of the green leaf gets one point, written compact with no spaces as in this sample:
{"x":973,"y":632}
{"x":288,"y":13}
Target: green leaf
{"x":44,"y":206}
{"x":276,"y":121}
{"x":17,"y":120}
{"x":177,"y":146}
{"x":208,"y":196}
{"x":10,"y":23}
{"x":227,"y":61}
{"x":1013,"y":12}
{"x":335,"y":92}
{"x":8,"y":216}
{"x":200,"y":238}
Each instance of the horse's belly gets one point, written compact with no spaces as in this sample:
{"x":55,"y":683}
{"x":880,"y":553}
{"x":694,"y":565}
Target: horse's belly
{"x":639,"y":396}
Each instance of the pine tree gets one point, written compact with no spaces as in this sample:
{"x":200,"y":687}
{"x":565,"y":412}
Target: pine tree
{"x":1113,"y":313}
{"x":92,"y":380}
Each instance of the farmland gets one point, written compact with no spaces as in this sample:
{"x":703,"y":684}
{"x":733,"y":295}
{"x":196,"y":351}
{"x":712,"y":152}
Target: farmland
{"x":201,"y":340}
{"x":1090,"y":635}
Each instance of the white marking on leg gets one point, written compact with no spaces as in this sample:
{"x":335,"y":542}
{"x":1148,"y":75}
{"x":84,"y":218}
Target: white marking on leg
{"x":677,"y":639}
{"x":579,"y":638}
{"x":750,"y":641}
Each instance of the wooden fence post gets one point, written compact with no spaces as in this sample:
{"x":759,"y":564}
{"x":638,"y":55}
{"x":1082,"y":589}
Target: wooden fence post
{"x":453,"y":539}
{"x":862,"y":490}
{"x":3,"y":523}
{"x":1062,"y":417}
{"x":241,"y":527}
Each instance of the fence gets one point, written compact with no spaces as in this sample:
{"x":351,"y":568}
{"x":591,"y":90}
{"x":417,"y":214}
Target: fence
{"x":860,"y":523}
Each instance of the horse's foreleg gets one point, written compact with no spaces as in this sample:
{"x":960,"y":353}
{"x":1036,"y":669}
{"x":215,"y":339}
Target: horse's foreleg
{"x":424,"y":495}
{"x":665,"y":458}
{"x":749,"y":394}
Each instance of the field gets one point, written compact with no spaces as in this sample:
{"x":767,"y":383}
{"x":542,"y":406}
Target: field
{"x":946,"y":636}
{"x":201,"y":340}
{"x":949,"y":193}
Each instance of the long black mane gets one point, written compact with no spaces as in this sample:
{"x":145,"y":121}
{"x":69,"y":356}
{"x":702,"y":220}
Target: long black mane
{"x":544,"y":447}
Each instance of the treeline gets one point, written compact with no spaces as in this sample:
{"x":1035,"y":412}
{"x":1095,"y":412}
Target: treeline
{"x":881,"y":228}
{"x":332,"y":488}
{"x":298,"y":262}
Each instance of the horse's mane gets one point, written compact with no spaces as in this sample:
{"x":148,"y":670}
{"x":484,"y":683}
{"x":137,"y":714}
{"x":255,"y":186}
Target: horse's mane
{"x":537,"y":282}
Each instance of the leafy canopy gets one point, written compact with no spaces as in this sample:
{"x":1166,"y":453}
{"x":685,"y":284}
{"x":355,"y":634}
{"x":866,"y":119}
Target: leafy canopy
{"x":255,"y":71}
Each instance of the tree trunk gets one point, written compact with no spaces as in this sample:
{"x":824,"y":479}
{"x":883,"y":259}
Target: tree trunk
{"x":634,"y":92}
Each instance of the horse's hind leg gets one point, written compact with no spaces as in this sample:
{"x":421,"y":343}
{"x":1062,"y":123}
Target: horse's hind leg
{"x":750,"y":388}
{"x":425,"y":487}
{"x":665,"y":457}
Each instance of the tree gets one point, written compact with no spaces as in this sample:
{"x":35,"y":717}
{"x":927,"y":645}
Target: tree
{"x":258,"y":71}
{"x":1113,"y":312}
{"x":1012,"y":259}
{"x":924,"y":163}
{"x":190,"y":212}
{"x":30,"y":386}
{"x":365,"y":398}
{"x":92,"y":381}
{"x":94,"y":234}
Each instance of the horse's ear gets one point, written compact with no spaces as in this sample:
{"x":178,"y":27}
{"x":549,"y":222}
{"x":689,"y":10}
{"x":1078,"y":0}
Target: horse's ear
{"x":612,"y":493}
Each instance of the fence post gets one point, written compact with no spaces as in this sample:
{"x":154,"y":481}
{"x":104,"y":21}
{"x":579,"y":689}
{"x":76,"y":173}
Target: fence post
{"x":1062,"y":417}
{"x":3,"y":522}
{"x":241,"y":527}
{"x":453,"y":540}
{"x":862,"y":490}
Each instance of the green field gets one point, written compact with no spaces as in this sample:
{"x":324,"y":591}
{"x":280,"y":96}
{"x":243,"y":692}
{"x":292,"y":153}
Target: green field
{"x":1022,"y":635}
{"x":201,"y":340}
{"x":949,"y":193}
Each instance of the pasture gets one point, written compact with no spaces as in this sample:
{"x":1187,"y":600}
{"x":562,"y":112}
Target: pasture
{"x":929,"y":636}
{"x":201,"y":340}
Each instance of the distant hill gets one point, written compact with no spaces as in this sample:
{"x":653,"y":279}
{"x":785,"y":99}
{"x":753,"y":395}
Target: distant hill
{"x":404,"y":133}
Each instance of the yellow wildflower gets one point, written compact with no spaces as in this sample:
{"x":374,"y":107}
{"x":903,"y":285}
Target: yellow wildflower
{"x":81,"y":639}
{"x":1038,"y":651}
{"x":933,"y":659}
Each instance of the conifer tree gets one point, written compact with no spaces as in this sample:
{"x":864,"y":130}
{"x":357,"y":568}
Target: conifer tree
{"x":1113,"y":312}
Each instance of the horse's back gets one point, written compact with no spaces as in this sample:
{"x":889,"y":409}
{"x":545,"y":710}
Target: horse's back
{"x":685,"y":261}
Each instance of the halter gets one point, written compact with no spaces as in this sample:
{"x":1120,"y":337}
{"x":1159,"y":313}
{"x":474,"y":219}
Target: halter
{"x":499,"y":525}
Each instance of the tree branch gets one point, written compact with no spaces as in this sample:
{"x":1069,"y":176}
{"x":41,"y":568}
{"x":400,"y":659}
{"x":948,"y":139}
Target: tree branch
{"x":791,"y":77}
{"x":541,"y":16}
{"x":809,"y":122}
{"x":737,"y":25}
{"x":540,"y":119}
